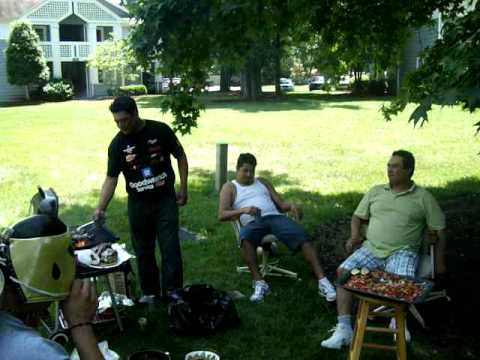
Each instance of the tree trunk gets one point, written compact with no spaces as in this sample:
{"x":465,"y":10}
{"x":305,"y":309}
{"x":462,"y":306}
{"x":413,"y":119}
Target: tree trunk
{"x":225,"y":78}
{"x":27,"y":93}
{"x":278,"y":49}
{"x":251,"y":80}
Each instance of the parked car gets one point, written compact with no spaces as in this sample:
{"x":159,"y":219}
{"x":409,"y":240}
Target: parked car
{"x":286,"y":84}
{"x":344,"y":82}
{"x":166,"y":83}
{"x":316,"y":83}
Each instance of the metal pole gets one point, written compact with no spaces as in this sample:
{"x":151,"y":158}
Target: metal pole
{"x":221,"y":166}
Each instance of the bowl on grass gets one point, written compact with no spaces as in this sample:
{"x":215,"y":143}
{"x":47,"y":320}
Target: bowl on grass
{"x":202,"y":355}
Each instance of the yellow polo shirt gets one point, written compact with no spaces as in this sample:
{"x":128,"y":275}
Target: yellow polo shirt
{"x":397,"y":221}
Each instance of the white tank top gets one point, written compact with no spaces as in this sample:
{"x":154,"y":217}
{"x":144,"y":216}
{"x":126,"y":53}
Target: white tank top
{"x":256,"y":195}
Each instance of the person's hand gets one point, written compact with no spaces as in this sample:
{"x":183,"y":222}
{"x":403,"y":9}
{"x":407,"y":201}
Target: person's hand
{"x":81,"y":304}
{"x":296,"y":211}
{"x":182,"y":197}
{"x":252,"y":210}
{"x":99,"y":216}
{"x":432,"y":236}
{"x":351,"y":243}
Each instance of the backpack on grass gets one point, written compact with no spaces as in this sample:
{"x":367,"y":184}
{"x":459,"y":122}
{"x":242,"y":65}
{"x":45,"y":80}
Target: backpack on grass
{"x":201,"y":310}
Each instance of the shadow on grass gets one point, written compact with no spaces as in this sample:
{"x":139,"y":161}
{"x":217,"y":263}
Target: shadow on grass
{"x":21,"y":103}
{"x":290,"y":102}
{"x":213,"y":261}
{"x":200,"y":214}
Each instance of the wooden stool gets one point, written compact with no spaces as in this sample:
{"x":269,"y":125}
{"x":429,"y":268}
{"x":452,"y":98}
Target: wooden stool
{"x":399,"y":312}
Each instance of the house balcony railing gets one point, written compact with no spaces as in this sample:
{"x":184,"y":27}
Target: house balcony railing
{"x":68,"y":50}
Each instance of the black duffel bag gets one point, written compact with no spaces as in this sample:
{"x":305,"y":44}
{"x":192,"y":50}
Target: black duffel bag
{"x":201,"y":310}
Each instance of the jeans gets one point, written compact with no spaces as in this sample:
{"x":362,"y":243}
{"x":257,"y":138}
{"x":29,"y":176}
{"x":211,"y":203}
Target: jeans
{"x":156,"y":220}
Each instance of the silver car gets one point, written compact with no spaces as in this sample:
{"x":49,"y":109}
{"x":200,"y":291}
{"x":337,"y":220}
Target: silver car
{"x":286,"y":84}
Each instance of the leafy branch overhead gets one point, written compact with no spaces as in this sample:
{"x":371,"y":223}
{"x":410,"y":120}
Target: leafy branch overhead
{"x":177,"y":35}
{"x":449,"y":73}
{"x":187,"y":38}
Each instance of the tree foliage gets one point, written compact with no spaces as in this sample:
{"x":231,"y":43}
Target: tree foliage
{"x":26,"y":64}
{"x":188,"y":37}
{"x":114,"y":55}
{"x":449,"y":73}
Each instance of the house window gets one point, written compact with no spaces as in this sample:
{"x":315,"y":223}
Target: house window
{"x":104,"y":33}
{"x":100,"y":36}
{"x":43,"y":32}
{"x":100,"y":76}
{"x":50,"y":67}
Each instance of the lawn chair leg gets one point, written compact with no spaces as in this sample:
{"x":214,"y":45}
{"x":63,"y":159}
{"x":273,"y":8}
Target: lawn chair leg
{"x":276,"y":271}
{"x":114,"y":306}
{"x":417,"y":315}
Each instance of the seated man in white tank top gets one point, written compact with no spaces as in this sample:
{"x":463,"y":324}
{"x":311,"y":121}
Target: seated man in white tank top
{"x":259,"y":208}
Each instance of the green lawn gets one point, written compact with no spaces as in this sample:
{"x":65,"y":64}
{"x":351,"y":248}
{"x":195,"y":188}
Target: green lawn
{"x":321,"y":151}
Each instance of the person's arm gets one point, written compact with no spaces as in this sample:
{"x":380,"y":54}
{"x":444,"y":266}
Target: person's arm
{"x":106,"y":194}
{"x":283,"y":206}
{"x":355,"y":233}
{"x":182,"y":194}
{"x":440,"y":252}
{"x":79,"y":310}
{"x":225,"y":205}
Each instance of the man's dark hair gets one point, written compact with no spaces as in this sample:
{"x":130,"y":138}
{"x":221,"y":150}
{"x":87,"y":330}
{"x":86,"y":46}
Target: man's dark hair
{"x":124,"y":103}
{"x":246,"y":158}
{"x":408,"y":160}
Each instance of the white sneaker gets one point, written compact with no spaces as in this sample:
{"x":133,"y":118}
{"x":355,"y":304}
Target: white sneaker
{"x":261,"y":289}
{"x":147,"y":299}
{"x":326,"y":289}
{"x":393,"y":326}
{"x":342,"y":335}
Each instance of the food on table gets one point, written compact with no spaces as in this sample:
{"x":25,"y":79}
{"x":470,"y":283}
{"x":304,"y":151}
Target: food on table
{"x":364,"y":271}
{"x":108,"y":256}
{"x":103,"y":255}
{"x":385,"y":284}
{"x":80,"y":244}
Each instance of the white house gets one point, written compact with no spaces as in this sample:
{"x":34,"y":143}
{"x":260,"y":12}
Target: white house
{"x":69,"y":31}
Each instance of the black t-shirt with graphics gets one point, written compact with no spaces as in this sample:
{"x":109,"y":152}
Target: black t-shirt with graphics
{"x":144,"y":159}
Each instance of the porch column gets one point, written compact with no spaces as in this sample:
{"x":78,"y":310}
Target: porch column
{"x":55,"y":39}
{"x":117,"y":35}
{"x":92,"y":73}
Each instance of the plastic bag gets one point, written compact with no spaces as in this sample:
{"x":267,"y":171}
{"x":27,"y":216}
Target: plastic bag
{"x":201,"y":310}
{"x":107,"y":353}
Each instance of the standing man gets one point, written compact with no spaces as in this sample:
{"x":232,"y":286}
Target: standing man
{"x":399,"y":213}
{"x":141,"y":151}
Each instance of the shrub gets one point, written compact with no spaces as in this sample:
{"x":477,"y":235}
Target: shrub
{"x":359,"y":87}
{"x":25,"y":62}
{"x":370,"y":88}
{"x":377,"y":87}
{"x":136,"y":89}
{"x":113,"y":92}
{"x":57,"y":90}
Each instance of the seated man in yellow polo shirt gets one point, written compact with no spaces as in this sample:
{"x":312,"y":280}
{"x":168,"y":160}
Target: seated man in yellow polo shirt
{"x":398,"y":213}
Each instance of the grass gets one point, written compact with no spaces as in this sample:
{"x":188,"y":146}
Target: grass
{"x":321,"y":151}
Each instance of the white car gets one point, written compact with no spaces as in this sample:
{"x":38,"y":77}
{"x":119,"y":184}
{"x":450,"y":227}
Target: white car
{"x":344,"y":82}
{"x":316,"y":83}
{"x":166,"y":83}
{"x":286,"y":84}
